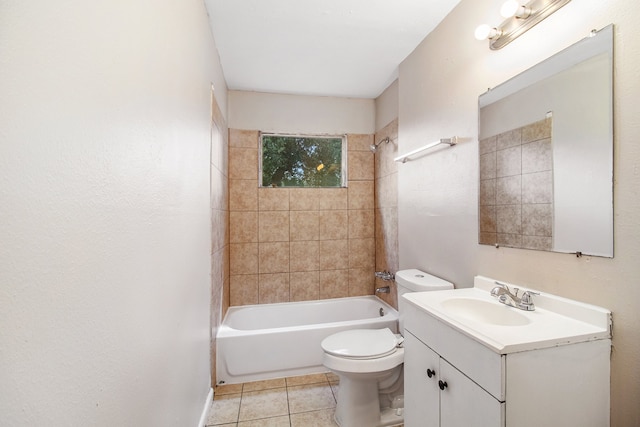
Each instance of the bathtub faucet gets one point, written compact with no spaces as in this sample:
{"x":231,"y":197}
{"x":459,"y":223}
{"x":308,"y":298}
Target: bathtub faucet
{"x":385,"y":275}
{"x":383,"y":290}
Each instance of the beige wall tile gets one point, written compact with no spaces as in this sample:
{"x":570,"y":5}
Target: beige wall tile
{"x":488,"y":145}
{"x":243,"y":195}
{"x":384,"y":163}
{"x":360,"y":165}
{"x":273,"y":199}
{"x":243,"y":163}
{"x":304,"y":199}
{"x":243,"y":138}
{"x":488,"y":166}
{"x":361,"y":281}
{"x":361,"y":195}
{"x":536,"y":131}
{"x":243,"y":258}
{"x":334,"y":283}
{"x":488,"y":219}
{"x":359,"y":142}
{"x":334,"y":254}
{"x":244,"y":289}
{"x":243,"y":226}
{"x":509,"y":162}
{"x":332,"y":198}
{"x":509,"y":219}
{"x":304,"y":256}
{"x":509,"y":190}
{"x":334,"y":225}
{"x":362,"y":253}
{"x":273,"y":257}
{"x":386,"y":189}
{"x":513,"y":240}
{"x":509,"y":139}
{"x":540,"y":243}
{"x":304,"y":225}
{"x":361,"y":223}
{"x":488,"y":238}
{"x":537,"y":156}
{"x":537,"y":187}
{"x":488,"y":192}
{"x":273,"y":288}
{"x":273,"y":226}
{"x":218,"y":229}
{"x":304,"y":286}
{"x":537,"y":219}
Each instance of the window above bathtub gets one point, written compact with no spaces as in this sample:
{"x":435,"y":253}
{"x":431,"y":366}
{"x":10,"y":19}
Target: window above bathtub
{"x":303,"y":160}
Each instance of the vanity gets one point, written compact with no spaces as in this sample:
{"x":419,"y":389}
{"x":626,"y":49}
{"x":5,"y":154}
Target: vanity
{"x":471,"y":360}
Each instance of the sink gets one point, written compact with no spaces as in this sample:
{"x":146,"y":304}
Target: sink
{"x":478,"y":310}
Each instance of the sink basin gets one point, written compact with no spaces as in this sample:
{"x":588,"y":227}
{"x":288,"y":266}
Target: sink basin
{"x":478,"y":310}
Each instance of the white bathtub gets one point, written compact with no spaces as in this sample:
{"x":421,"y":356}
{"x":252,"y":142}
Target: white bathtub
{"x":257,"y":342}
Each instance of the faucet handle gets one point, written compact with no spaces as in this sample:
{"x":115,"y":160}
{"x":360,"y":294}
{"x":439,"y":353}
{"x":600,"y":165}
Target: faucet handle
{"x":527,"y":301}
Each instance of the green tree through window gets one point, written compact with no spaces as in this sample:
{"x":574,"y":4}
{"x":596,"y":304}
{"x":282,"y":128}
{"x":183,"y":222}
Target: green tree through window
{"x":302,"y":161}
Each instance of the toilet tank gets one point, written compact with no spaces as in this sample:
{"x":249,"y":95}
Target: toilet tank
{"x":414,"y":280}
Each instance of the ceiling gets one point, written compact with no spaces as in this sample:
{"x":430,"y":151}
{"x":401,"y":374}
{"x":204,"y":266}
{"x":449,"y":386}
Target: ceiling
{"x":345,"y":48}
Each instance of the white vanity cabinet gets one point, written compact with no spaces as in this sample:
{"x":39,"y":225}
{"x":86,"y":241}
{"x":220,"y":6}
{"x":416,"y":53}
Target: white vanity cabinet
{"x":437,"y":394}
{"x":563,"y":384}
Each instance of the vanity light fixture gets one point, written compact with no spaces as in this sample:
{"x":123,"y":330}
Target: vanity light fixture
{"x":520,"y":18}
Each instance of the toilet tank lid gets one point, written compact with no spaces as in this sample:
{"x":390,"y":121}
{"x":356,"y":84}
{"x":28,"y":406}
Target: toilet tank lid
{"x":417,"y":281}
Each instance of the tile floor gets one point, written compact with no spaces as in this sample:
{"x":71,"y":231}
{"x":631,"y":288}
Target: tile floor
{"x":305,"y":401}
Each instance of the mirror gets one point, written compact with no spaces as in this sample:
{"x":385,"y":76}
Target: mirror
{"x":546,"y":154}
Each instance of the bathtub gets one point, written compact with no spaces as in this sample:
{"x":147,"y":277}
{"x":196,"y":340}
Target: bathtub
{"x":258,"y":342}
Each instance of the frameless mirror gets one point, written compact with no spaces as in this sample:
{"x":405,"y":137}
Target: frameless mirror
{"x":546,"y":154}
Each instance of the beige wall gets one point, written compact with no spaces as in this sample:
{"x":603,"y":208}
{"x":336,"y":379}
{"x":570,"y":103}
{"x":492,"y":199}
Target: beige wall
{"x":105,"y":119}
{"x":294,"y":244}
{"x":438,"y":194}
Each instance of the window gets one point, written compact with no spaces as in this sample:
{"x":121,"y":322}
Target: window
{"x":302,"y":161}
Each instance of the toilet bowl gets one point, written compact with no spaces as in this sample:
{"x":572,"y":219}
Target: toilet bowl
{"x":369,"y":364}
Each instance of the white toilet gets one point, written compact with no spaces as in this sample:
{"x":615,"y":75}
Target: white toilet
{"x":369,"y":363}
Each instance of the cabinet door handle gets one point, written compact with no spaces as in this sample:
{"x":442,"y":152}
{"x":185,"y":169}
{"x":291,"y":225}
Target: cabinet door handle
{"x":442,"y":384}
{"x":430,"y":373}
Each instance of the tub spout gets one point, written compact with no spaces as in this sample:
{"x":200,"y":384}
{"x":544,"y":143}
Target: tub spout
{"x":383,"y":290}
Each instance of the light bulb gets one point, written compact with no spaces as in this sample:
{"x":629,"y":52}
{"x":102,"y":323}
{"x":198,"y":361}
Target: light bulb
{"x":484,"y":32}
{"x":509,"y":8}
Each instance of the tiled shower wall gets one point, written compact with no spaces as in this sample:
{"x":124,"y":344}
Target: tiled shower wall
{"x":386,"y":203}
{"x":516,"y":187}
{"x":219,"y":226}
{"x":295,"y":244}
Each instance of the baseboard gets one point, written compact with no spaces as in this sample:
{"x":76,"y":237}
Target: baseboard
{"x":205,"y":410}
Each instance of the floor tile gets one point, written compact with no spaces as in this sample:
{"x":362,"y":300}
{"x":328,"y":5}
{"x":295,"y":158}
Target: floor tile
{"x":322,"y":418}
{"x":267,"y":422}
{"x":224,"y":410}
{"x":306,"y":379}
{"x":311,"y":397}
{"x":227,"y":389}
{"x":332,"y":377}
{"x":263,"y":404}
{"x":264,"y":385}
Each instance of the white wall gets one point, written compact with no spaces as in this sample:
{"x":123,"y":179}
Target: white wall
{"x":270,"y":112}
{"x":104,"y":200}
{"x":439,"y":87}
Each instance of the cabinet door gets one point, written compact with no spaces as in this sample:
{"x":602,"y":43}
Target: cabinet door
{"x":463,"y":403}
{"x":421,"y":394}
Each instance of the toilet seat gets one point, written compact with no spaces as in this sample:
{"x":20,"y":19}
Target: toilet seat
{"x":361,"y":344}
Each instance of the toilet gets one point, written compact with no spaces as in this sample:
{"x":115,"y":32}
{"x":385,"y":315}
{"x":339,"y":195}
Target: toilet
{"x":369,"y":363}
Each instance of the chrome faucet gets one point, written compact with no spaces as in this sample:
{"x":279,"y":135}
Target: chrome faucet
{"x":505,"y":296}
{"x":385,"y":275}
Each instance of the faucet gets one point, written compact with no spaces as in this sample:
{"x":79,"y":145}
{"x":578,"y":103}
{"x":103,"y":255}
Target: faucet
{"x":385,"y":275}
{"x":504,"y":295}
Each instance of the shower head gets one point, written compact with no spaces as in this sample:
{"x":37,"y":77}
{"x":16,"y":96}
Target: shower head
{"x":374,"y":147}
